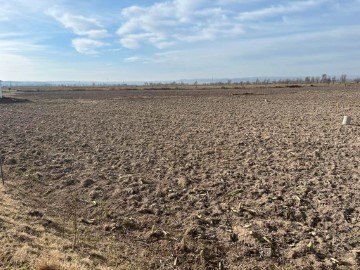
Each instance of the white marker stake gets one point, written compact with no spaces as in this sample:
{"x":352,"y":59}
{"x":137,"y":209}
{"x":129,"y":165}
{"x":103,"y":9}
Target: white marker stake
{"x":346,"y":120}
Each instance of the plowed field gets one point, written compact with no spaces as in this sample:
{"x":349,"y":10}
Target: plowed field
{"x":191,"y":179}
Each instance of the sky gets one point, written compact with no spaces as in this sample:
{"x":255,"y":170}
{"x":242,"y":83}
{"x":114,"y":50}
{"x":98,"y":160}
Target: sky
{"x":122,"y":40}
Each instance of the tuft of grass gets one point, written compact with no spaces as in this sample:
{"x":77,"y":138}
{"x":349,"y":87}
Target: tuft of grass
{"x":48,"y":264}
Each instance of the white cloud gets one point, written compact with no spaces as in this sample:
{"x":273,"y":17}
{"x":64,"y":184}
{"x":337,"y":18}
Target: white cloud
{"x":20,"y":45}
{"x":15,"y":9}
{"x":90,"y":28}
{"x":162,"y":57}
{"x":293,"y":6}
{"x":80,"y":25}
{"x":226,"y":2}
{"x":134,"y":59}
{"x":129,"y":42}
{"x":87,"y":46}
{"x":290,"y":55}
{"x":21,"y":54}
{"x":5,"y":11}
{"x":15,"y":65}
{"x":185,"y":7}
{"x":166,"y":23}
{"x":11,"y":35}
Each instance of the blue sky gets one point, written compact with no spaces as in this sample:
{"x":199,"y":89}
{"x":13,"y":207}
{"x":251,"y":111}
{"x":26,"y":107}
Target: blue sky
{"x":108,"y":40}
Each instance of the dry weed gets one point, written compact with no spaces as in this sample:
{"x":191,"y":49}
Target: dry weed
{"x":48,"y":264}
{"x":23,"y":254}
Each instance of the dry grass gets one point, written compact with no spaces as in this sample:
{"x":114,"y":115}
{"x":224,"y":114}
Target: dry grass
{"x":48,"y":264}
{"x":30,"y":243}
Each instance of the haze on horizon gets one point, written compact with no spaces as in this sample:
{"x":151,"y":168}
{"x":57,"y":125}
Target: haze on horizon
{"x":177,"y":39}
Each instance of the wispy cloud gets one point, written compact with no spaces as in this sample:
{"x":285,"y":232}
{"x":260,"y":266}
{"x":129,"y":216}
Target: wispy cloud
{"x":282,"y":9}
{"x":22,"y":9}
{"x":238,"y":2}
{"x":87,"y":46}
{"x":134,"y":59}
{"x":20,"y":54}
{"x":15,"y":65}
{"x":163,"y":24}
{"x":161,"y":57}
{"x":11,"y":35}
{"x":80,"y":25}
{"x":90,"y":31}
{"x":20,"y":45}
{"x":5,"y":11}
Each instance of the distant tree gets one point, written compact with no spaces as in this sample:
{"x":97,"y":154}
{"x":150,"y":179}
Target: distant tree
{"x":333,"y":79}
{"x":323,"y":78}
{"x":357,"y":80}
{"x":299,"y":80}
{"x":343,"y":78}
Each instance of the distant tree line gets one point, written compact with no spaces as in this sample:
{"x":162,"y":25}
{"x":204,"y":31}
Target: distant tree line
{"x":323,"y":79}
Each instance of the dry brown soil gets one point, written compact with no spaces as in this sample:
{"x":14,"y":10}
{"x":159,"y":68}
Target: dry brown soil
{"x":190,"y":179}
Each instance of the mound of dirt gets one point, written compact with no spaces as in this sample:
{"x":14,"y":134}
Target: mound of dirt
{"x":9,"y":100}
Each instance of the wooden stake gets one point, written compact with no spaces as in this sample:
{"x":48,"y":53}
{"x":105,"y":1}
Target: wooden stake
{"x":1,"y":171}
